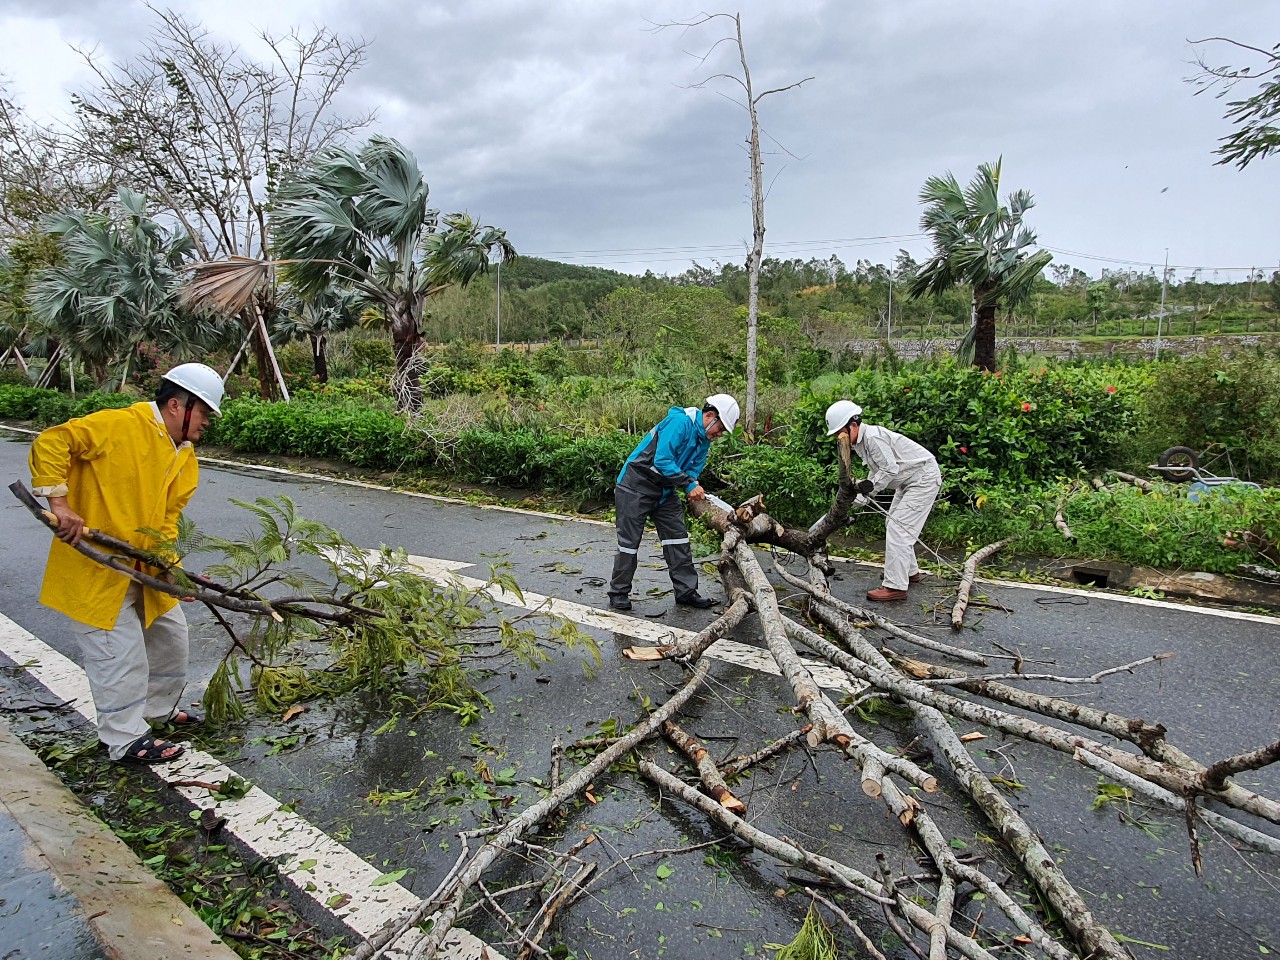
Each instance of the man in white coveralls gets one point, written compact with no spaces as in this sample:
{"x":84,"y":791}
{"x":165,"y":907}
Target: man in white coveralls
{"x":896,"y":463}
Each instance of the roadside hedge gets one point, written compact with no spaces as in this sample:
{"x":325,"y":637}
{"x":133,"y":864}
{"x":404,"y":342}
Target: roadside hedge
{"x":1006,"y":444}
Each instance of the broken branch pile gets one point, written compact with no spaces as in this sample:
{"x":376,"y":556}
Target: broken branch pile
{"x":1131,"y":751}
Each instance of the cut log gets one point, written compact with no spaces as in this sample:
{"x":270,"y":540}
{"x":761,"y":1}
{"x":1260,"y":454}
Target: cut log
{"x":708,"y":772}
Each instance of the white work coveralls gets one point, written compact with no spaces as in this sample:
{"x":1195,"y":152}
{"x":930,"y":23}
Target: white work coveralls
{"x":897,"y":463}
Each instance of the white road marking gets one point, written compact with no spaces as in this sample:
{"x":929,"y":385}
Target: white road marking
{"x":1099,"y":595}
{"x":728,"y":651}
{"x":318,"y":866}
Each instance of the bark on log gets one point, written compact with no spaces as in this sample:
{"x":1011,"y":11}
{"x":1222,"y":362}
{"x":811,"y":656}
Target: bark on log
{"x":1183,"y":777}
{"x":1136,"y":731}
{"x":966,"y":581}
{"x":950,"y":650}
{"x":1059,"y":520}
{"x":377,"y":945}
{"x":1039,"y":864}
{"x":1215,"y":777}
{"x":708,"y":772}
{"x":1022,"y":840}
{"x":1098,"y":484}
{"x":829,"y":724}
{"x":1215,"y":821}
{"x":845,"y":876}
{"x":1143,"y":485}
{"x":1262,"y":573}
{"x":764,"y":529}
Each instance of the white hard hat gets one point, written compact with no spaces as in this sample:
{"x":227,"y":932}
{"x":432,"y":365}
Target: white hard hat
{"x":727,"y":407}
{"x":200,"y":381}
{"x":840,"y":413}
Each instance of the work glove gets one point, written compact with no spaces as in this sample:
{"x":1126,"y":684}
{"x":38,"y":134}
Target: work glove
{"x":861,"y":500}
{"x":864,"y":487}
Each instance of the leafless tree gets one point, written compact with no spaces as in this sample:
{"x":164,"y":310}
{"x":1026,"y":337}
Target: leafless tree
{"x":750,"y":102}
{"x":210,"y":133}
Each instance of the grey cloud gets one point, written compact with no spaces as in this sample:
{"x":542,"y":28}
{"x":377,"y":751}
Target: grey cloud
{"x":573,"y":124}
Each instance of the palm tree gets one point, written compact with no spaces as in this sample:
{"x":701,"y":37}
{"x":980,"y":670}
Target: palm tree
{"x":116,"y":285}
{"x":977,"y":241}
{"x":361,"y":220}
{"x":317,"y":318}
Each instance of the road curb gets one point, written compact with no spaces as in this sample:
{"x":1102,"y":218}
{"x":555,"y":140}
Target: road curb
{"x":129,"y":912}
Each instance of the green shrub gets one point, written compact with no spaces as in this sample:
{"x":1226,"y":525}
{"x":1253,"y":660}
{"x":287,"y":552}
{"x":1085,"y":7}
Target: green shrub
{"x":1026,"y":426}
{"x":588,"y":467}
{"x":797,"y":488}
{"x":1162,"y":529}
{"x":350,"y":431}
{"x":48,"y":407}
{"x":1212,"y":399}
{"x":362,"y":356}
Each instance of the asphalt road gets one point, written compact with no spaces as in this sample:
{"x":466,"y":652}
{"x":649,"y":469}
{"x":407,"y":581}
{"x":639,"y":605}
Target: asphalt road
{"x":397,"y":794}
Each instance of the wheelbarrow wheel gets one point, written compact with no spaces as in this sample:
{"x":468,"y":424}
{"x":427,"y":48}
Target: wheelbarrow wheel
{"x":1180,"y":457}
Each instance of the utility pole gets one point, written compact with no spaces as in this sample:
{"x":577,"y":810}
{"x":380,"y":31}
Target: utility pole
{"x":1164,"y":286}
{"x":889,"y":331}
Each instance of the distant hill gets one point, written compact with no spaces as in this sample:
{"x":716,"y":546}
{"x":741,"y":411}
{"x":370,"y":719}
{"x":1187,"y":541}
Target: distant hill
{"x":528,"y":272}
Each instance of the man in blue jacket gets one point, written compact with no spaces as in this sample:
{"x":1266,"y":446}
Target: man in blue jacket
{"x":670,"y":457}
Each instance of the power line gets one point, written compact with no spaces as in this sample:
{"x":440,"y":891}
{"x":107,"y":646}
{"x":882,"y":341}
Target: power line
{"x":643,"y":254}
{"x":1139,"y":263}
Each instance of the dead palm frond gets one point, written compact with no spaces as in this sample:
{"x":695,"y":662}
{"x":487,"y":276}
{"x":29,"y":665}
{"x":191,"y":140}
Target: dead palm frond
{"x":225,"y":285}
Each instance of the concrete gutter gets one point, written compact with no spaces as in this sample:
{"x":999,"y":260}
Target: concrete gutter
{"x":104,"y":901}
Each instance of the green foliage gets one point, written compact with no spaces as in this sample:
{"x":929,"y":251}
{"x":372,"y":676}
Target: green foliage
{"x":1234,"y":401}
{"x":316,"y":426}
{"x":1024,"y":426}
{"x":815,"y":940}
{"x":48,"y":407}
{"x":1162,"y":529}
{"x":797,"y":488}
{"x":377,"y":620}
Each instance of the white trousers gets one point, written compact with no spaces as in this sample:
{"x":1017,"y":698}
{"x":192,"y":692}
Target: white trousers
{"x":135,"y":674}
{"x":912,"y":501}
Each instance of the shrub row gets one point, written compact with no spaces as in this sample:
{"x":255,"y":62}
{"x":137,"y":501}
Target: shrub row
{"x":1004,"y":443}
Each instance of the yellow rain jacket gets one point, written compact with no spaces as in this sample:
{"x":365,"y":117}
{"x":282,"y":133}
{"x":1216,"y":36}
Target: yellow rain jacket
{"x":120,"y":470}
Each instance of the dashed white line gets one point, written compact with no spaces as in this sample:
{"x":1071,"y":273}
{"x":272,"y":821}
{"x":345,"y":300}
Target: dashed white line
{"x":728,"y":651}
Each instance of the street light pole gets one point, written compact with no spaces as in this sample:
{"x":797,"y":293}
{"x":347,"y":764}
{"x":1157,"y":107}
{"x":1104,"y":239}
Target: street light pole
{"x":1164,"y":286}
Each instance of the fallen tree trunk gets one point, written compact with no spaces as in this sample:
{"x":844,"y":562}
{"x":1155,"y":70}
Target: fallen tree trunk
{"x":1059,"y":520}
{"x":1039,"y":864}
{"x":708,"y":772}
{"x":842,"y":875}
{"x":378,"y":944}
{"x":1143,"y":485}
{"x":966,"y":581}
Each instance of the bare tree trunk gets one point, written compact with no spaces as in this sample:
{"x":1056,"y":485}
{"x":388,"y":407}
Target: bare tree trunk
{"x":404,"y":340}
{"x":966,"y":582}
{"x":756,"y":255}
{"x":267,"y":387}
{"x":320,"y":357}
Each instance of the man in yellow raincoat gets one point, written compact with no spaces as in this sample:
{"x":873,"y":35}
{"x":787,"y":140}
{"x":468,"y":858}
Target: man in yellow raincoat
{"x":121,"y":471}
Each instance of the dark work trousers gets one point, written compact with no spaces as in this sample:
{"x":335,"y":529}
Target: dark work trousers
{"x":633,"y":508}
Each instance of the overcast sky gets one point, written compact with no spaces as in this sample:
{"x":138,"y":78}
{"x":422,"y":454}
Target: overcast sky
{"x":575,"y":126}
